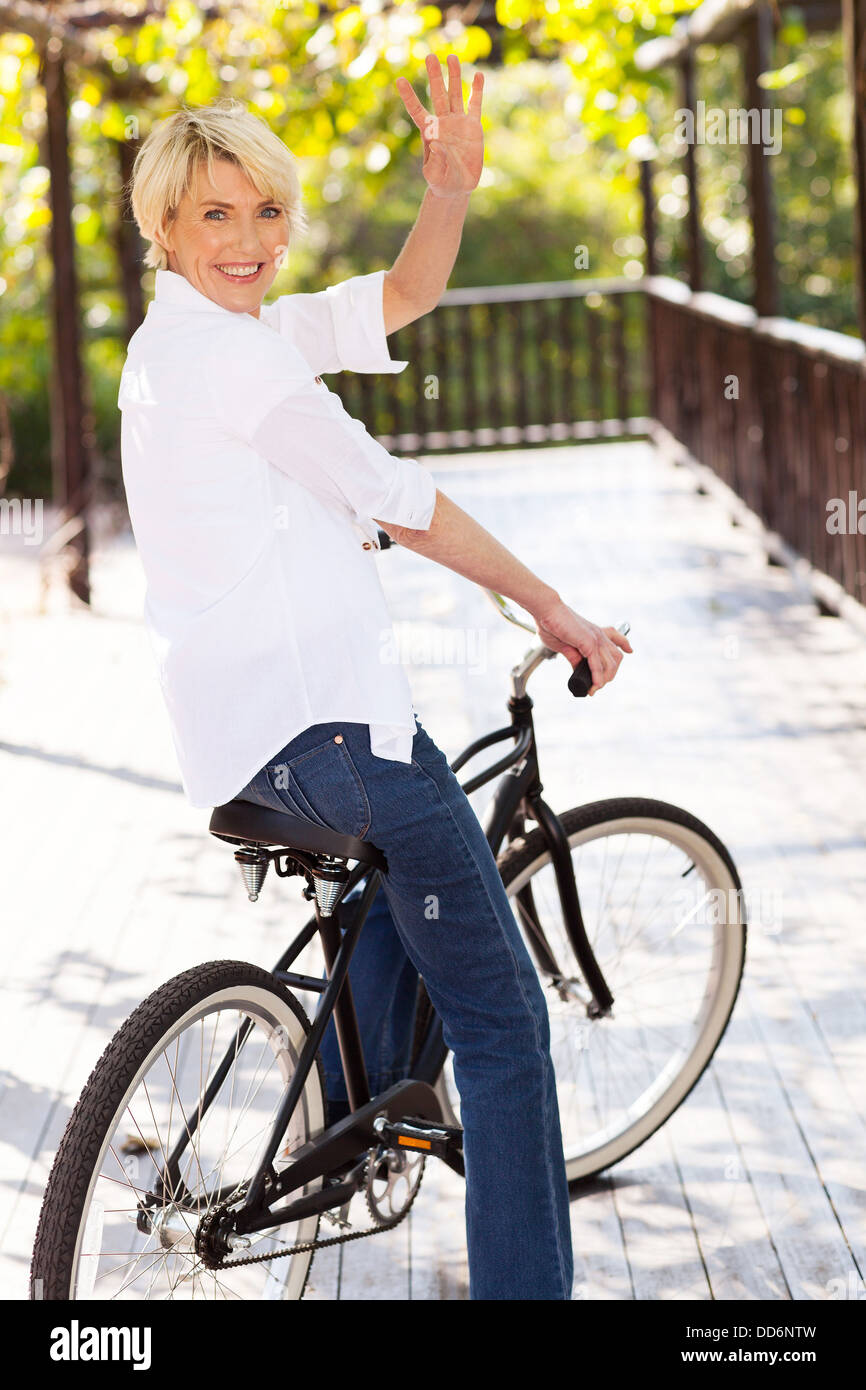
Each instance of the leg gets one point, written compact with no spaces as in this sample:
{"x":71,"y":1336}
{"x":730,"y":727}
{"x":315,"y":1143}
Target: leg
{"x":459,"y":927}
{"x":452,"y":914}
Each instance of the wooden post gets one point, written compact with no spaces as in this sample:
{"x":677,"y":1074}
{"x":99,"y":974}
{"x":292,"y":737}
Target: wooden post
{"x":650,"y":268}
{"x":129,"y":243}
{"x":73,"y":421}
{"x":854,"y":26}
{"x":768,"y":460}
{"x":649,"y":216}
{"x":757,"y":58}
{"x":693,"y":221}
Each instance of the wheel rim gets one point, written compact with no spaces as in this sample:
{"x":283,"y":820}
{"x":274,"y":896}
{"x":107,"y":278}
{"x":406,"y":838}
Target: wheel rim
{"x":664,"y":920}
{"x":113,"y":1258}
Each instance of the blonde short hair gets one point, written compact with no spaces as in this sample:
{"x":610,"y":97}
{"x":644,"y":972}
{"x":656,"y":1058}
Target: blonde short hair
{"x":169,"y":156}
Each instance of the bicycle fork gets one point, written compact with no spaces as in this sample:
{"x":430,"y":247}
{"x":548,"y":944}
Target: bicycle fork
{"x":521,"y":788}
{"x":563,"y":867}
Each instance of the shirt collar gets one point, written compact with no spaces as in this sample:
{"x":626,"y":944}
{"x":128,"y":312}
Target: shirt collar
{"x":171,"y":288}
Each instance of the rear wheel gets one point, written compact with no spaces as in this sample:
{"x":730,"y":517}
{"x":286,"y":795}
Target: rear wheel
{"x":664,"y":914}
{"x":106,"y":1230}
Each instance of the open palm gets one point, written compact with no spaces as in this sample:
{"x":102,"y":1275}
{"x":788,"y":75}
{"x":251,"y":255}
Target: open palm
{"x":453,"y":139}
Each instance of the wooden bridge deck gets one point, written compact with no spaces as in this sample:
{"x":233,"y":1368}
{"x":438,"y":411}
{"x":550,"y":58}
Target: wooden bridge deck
{"x":740,"y":703}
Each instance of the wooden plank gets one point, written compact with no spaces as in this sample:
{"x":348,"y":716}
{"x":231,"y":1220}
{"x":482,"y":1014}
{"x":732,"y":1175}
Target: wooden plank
{"x":663,"y":1252}
{"x":735,"y":1245}
{"x":375,"y":1269}
{"x":438,"y":1268}
{"x":810,"y":1246}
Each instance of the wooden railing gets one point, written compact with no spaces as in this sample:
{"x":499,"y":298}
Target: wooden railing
{"x":775,"y":408}
{"x":511,"y":364}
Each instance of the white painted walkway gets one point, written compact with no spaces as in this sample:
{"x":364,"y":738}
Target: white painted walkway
{"x":740,"y":703}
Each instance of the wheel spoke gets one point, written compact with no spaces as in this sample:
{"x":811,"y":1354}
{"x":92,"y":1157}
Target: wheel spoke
{"x":166,"y":1100}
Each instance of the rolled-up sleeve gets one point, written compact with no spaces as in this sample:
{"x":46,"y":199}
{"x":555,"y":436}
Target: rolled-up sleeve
{"x":341,"y":328}
{"x":262,"y":392}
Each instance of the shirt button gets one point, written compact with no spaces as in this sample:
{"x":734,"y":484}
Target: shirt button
{"x":338,"y":738}
{"x":319,"y":380}
{"x":368,"y":545}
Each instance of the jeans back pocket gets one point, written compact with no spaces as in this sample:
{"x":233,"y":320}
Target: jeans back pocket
{"x":323,"y":785}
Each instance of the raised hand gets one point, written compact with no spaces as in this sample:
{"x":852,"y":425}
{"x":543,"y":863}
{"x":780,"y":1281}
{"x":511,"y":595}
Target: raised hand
{"x":453,"y":139}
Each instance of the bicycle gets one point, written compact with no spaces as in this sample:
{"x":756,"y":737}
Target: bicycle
{"x":228,"y":1203}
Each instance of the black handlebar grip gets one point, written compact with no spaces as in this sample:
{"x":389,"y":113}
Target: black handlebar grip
{"x":385,"y":541}
{"x":580,"y":680}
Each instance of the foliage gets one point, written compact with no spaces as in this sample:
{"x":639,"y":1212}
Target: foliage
{"x":563,"y":103}
{"x":812,"y":179}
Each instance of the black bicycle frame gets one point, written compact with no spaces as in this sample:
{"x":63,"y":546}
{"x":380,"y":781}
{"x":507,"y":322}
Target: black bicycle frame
{"x":517,"y":797}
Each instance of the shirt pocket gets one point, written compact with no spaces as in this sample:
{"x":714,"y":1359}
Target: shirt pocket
{"x":325,"y":785}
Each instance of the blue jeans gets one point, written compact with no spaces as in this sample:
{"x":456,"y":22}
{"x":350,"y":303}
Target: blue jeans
{"x":442,"y":910}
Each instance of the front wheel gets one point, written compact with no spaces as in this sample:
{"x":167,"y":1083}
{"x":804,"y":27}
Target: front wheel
{"x":202,"y":1064}
{"x":663,"y":910}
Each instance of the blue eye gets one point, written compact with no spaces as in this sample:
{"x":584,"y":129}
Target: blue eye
{"x":219,"y":212}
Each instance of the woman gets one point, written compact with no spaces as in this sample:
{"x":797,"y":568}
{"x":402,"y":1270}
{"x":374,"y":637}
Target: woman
{"x":256,"y":500}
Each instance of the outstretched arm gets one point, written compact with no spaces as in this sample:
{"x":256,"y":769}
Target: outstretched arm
{"x":456,"y":540}
{"x":453,"y":160}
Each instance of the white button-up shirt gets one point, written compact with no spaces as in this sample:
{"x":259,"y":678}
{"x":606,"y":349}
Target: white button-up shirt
{"x":252,"y":493}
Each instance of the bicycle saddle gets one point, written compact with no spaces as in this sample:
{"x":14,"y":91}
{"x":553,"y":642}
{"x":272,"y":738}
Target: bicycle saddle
{"x":243,"y":820}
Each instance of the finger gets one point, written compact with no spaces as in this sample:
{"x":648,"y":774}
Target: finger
{"x":438,"y":94}
{"x":420,"y":115}
{"x":618,"y":638}
{"x":599,"y":685}
{"x":611,"y":658}
{"x":608,"y":664}
{"x":474,"y":106}
{"x":455,"y":84}
{"x":597,"y":669}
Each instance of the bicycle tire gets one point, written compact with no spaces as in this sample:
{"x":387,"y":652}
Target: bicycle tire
{"x":197,"y":992}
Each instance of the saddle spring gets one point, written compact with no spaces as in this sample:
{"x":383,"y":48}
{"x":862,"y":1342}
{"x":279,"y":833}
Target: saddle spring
{"x":328,"y":875}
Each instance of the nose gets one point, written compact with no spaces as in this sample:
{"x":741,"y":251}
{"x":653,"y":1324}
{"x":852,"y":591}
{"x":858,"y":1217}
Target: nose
{"x":247,"y":241}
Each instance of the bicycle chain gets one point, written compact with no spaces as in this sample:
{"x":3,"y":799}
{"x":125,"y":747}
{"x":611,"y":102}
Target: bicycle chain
{"x":298,"y":1249}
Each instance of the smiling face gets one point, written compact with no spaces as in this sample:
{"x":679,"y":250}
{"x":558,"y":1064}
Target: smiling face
{"x":226,"y":239}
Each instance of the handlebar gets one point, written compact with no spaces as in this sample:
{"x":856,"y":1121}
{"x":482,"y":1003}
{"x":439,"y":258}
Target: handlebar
{"x":580,"y":680}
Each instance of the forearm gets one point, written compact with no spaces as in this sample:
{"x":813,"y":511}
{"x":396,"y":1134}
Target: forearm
{"x":421,"y":271}
{"x":456,"y":540}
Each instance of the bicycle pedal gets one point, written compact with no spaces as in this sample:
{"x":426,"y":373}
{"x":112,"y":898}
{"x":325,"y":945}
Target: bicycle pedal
{"x":339,"y":1217}
{"x":424,"y":1136}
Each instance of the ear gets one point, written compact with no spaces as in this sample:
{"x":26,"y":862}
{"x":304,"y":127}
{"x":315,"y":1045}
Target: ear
{"x":165,"y":248}
{"x":161,"y":239}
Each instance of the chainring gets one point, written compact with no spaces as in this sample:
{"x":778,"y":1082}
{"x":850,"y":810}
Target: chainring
{"x":391,"y":1182}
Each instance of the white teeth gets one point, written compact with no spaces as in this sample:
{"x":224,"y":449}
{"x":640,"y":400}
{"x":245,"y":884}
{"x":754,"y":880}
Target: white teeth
{"x":241,"y":274}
